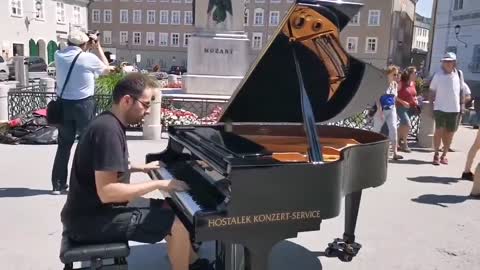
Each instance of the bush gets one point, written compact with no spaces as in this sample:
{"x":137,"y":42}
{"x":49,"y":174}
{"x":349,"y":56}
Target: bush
{"x":104,"y":85}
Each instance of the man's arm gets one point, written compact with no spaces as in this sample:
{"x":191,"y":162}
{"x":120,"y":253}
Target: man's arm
{"x":103,"y":65}
{"x":110,"y":190}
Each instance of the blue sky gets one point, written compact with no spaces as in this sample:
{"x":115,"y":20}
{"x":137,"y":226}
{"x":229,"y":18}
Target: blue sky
{"x":424,"y":8}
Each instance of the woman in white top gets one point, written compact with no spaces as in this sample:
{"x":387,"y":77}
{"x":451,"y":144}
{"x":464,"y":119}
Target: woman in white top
{"x":386,"y":111}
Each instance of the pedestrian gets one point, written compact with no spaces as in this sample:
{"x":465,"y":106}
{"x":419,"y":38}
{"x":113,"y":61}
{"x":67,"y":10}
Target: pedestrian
{"x":386,"y":111}
{"x":407,"y":105}
{"x":102,"y":205}
{"x":467,"y":171}
{"x":76,"y":95}
{"x":446,"y":95}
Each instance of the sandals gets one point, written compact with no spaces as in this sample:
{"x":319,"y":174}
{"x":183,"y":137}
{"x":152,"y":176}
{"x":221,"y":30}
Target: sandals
{"x":436,"y":160}
{"x":444,"y":160}
{"x":397,"y":157}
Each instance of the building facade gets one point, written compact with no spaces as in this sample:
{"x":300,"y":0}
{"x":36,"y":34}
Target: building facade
{"x":158,"y":30}
{"x":39,"y":27}
{"x":421,"y":33}
{"x":462,"y":17}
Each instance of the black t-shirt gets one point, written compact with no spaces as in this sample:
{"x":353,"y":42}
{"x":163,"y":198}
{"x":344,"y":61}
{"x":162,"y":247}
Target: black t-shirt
{"x":103,"y":147}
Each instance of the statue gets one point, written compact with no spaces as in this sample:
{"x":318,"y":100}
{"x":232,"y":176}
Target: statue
{"x":220,"y":14}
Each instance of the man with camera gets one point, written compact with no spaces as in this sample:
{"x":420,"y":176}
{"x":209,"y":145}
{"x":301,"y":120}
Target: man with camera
{"x":76,"y":68}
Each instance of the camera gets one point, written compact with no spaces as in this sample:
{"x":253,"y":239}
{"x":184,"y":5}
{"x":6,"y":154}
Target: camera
{"x":93,"y":35}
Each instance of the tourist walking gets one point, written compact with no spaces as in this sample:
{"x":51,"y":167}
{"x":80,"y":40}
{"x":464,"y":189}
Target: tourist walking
{"x":407,"y":105}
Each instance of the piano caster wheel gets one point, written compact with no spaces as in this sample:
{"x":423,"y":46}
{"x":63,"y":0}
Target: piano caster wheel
{"x":347,"y":257}
{"x":344,"y":251}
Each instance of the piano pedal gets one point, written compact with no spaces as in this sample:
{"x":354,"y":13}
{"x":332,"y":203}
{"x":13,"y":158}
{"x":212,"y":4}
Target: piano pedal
{"x":196,"y":246}
{"x":343,"y":250}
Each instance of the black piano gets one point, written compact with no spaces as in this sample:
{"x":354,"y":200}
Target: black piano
{"x":273,"y":166}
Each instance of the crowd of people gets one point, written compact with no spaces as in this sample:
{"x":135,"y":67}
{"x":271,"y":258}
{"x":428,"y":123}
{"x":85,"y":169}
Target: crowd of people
{"x":448,"y":94}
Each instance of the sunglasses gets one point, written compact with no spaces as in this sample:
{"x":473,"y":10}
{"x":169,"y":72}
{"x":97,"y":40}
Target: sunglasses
{"x":146,"y":106}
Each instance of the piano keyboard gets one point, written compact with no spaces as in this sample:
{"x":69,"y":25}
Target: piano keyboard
{"x":182,"y":198}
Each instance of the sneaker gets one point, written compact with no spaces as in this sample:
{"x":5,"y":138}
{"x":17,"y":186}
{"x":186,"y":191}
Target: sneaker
{"x":467,"y":176}
{"x":201,"y":264}
{"x":436,"y":160}
{"x":60,"y":190}
{"x":444,"y":160}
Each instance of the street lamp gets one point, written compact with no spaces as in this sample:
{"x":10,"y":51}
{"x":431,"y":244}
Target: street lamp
{"x":458,"y":28}
{"x":38,"y":8}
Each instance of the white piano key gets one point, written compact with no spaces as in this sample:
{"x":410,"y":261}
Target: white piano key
{"x":184,"y":198}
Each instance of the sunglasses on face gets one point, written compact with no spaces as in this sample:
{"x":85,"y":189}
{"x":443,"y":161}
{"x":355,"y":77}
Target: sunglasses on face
{"x":146,"y":106}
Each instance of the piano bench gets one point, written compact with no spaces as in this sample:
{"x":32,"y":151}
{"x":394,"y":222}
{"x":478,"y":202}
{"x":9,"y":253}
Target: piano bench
{"x":71,"y":252}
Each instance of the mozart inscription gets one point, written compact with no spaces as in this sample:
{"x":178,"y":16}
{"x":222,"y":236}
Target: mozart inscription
{"x":263,"y":218}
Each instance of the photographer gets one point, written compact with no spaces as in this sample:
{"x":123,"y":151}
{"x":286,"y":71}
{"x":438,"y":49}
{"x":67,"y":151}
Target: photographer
{"x":76,"y":72}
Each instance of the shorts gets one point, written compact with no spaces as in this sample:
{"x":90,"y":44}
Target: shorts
{"x":447,"y":120}
{"x":144,"y":221}
{"x":404,"y":115}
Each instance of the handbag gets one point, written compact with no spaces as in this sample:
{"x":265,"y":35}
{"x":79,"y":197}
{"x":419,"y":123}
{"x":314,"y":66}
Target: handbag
{"x":54,"y":107}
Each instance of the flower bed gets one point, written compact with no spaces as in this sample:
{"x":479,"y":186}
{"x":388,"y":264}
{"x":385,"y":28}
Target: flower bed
{"x":172,"y":116}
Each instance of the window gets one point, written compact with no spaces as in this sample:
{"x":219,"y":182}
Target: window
{"x":259,"y":1}
{"x":107,"y":16}
{"x":374,"y":17}
{"x":257,"y":41}
{"x":258,"y":17}
{"x":188,"y":1}
{"x":163,"y":39}
{"x":247,"y":14}
{"x":77,"y":17}
{"x":137,"y":38}
{"x":150,"y":39}
{"x":188,"y":17}
{"x":274,"y":18}
{"x":355,"y":20}
{"x":16,"y":7}
{"x":458,"y":4}
{"x":186,"y":38}
{"x":96,"y":16}
{"x":352,"y":44}
{"x":107,"y":37}
{"x":176,"y":1}
{"x":475,"y":65}
{"x":163,"y":16}
{"x":40,"y":13}
{"x":137,"y":16}
{"x":123,"y":37}
{"x":151,"y":14}
{"x":123,"y":15}
{"x":60,"y":12}
{"x":175,"y":16}
{"x":175,"y":42}
{"x":371,"y":45}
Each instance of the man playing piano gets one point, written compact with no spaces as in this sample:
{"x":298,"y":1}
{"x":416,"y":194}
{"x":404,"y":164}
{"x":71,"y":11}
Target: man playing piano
{"x":96,"y":210}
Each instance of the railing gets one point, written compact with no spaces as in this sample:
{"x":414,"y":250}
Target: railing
{"x":25,"y":100}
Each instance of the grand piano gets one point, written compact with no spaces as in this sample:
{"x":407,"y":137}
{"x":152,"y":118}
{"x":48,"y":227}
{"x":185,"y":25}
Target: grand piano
{"x":273,"y":166}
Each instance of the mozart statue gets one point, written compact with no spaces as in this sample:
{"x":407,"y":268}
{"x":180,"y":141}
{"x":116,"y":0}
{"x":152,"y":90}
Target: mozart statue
{"x":220,"y":14}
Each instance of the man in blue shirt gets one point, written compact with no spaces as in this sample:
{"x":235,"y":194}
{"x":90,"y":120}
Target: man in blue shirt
{"x":77,"y":98}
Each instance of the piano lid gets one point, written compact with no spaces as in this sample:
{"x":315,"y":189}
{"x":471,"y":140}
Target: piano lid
{"x":338,"y":85}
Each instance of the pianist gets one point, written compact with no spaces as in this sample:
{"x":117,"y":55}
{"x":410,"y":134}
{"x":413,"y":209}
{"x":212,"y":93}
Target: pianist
{"x":96,"y":210}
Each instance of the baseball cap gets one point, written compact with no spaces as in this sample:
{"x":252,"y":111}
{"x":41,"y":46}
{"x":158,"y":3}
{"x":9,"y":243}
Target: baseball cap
{"x":449,"y":56}
{"x":78,"y":37}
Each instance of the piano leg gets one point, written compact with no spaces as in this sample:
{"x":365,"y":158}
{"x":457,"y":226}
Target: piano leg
{"x":347,"y":248}
{"x":229,"y":256}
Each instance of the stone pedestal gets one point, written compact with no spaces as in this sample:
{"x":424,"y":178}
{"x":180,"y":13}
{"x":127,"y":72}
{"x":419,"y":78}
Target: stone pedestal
{"x":4,"y":102}
{"x":218,"y":50}
{"x":152,"y":126}
{"x":427,"y":126}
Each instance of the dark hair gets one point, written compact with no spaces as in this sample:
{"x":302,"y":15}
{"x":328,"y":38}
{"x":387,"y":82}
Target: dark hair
{"x":133,"y":85}
{"x":407,"y":72}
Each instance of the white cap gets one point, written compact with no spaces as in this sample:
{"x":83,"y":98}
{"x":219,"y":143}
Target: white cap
{"x":449,"y":56}
{"x":78,"y":37}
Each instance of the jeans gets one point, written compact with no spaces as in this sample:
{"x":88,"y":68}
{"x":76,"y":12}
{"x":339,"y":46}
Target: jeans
{"x":389,"y":118}
{"x":77,"y":114}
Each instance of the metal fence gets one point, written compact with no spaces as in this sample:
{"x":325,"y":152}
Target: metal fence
{"x":25,"y":100}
